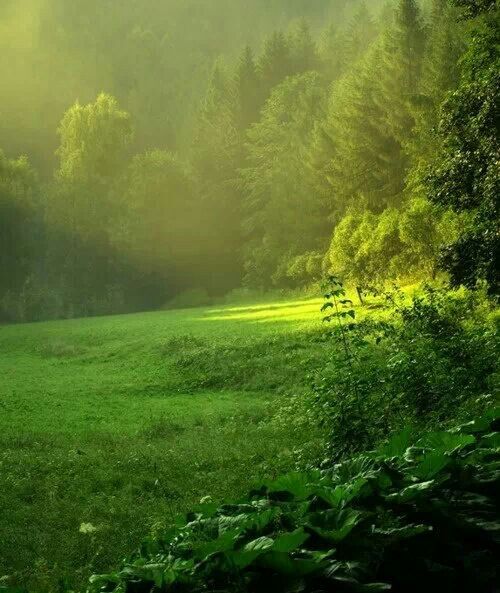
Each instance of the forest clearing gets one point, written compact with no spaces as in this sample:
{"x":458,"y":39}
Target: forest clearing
{"x":249,"y":256}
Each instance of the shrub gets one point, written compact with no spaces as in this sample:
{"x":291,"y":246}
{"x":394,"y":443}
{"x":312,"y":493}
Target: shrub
{"x":405,"y":243}
{"x":434,"y":359}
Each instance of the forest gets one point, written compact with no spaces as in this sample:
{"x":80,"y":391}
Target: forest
{"x":249,"y":252}
{"x":201,"y":166}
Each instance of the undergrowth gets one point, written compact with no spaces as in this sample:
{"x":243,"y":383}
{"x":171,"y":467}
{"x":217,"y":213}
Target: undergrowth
{"x":158,"y":409}
{"x":417,"y":513}
{"x":432,"y":362}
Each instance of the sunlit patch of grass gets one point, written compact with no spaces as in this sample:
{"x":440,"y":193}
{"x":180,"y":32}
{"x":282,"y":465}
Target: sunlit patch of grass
{"x":300,"y":311}
{"x":276,"y":305}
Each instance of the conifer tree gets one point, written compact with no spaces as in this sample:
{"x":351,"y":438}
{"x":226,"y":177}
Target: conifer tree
{"x":330,"y":52}
{"x":358,"y":36}
{"x":354,"y":157}
{"x":247,"y":103}
{"x":283,"y":216}
{"x":275,"y":63}
{"x":445,"y":45}
{"x":402,"y":53}
{"x":216,"y":155}
{"x":440,"y":74}
{"x":303,"y":49}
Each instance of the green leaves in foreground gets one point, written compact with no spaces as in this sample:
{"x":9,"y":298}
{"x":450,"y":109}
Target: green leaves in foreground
{"x":417,"y":514}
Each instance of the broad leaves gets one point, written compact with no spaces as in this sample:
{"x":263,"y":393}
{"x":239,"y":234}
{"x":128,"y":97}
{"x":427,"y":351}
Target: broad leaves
{"x":356,"y":527}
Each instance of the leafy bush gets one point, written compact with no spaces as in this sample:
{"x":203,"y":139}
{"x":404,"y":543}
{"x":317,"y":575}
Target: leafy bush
{"x":373,"y":248}
{"x":433,"y":360}
{"x":416,"y":514}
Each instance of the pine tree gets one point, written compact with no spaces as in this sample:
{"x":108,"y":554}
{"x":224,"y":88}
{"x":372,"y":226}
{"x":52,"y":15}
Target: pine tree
{"x":303,"y":49}
{"x":354,"y":157}
{"x":342,"y":46}
{"x":403,"y":46}
{"x":247,"y":104}
{"x":358,"y":36}
{"x":440,"y":74}
{"x":445,"y":45}
{"x":283,"y":217}
{"x":330,"y":52}
{"x":216,"y":156}
{"x":275,"y":63}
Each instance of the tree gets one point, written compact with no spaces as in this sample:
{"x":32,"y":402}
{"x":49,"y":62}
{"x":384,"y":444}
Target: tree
{"x":464,"y":176}
{"x":94,"y":139}
{"x":473,"y":8}
{"x":359,"y":34}
{"x":354,"y":159}
{"x":275,"y":63}
{"x":157,"y":230}
{"x":19,"y":231}
{"x":80,"y":211}
{"x":370,"y":249}
{"x":282,"y":216}
{"x":440,"y":75}
{"x":303,"y":49}
{"x":330,"y":52}
{"x":445,"y":45}
{"x":216,"y":155}
{"x":423,"y":228}
{"x":402,"y":53}
{"x":247,"y":91}
{"x":347,"y":256}
{"x":358,"y":153}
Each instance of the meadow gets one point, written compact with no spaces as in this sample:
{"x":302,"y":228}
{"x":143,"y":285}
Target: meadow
{"x":111,"y":426}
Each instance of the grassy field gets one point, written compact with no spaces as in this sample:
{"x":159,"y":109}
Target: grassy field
{"x":111,"y":426}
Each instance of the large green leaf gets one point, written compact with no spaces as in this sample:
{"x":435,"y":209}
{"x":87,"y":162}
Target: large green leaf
{"x":297,"y":483}
{"x":491,"y":440}
{"x":287,"y":542}
{"x":482,"y":424}
{"x":431,"y":464}
{"x":411,"y":493}
{"x":335,"y":526}
{"x":404,"y":532}
{"x":343,"y":494}
{"x":252,"y":550}
{"x":259,"y":545}
{"x":223,"y":543}
{"x":397,"y":444}
{"x":445,"y":442}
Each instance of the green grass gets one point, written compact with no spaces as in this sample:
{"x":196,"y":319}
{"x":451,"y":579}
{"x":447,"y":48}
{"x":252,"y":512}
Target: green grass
{"x":123,"y":422}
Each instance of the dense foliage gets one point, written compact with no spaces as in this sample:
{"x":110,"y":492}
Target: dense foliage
{"x":433,"y":359}
{"x":418,"y":513}
{"x":367,"y":147}
{"x":466,"y":176}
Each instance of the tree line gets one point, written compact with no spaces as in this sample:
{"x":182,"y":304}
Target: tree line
{"x":367,"y":148}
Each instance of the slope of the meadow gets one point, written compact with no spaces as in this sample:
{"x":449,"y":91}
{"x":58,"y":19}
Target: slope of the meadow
{"x":110,"y":426}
